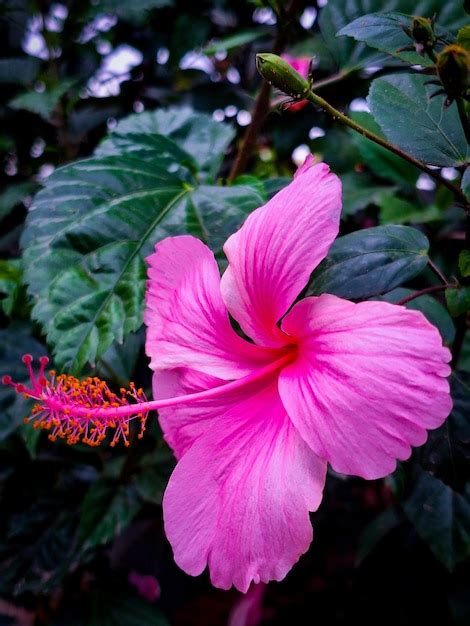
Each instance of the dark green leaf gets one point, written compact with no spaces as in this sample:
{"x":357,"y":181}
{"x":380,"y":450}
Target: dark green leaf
{"x":13,"y":299}
{"x":234,"y":41}
{"x":43,"y":103}
{"x":118,"y":362}
{"x":108,"y":214}
{"x":106,"y":510}
{"x":458,"y":300}
{"x":375,"y":531}
{"x":414,"y":122}
{"x":350,"y":54}
{"x":150,"y":484}
{"x":465,"y":184}
{"x":195,"y":133}
{"x":384,"y":32}
{"x":441,"y":518}
{"x":13,"y":195}
{"x":464,"y":263}
{"x":347,"y":53}
{"x":371,"y":261}
{"x":359,"y":192}
{"x":19,"y":71}
{"x":123,"y":609}
{"x":380,"y":161}
{"x":394,"y":210}
{"x":433,"y":310}
{"x":135,"y":12}
{"x":463,"y":37}
{"x":14,"y":342}
{"x":459,"y":419}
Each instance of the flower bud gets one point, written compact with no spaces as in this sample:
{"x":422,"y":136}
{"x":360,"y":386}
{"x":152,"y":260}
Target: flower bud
{"x":453,"y":69}
{"x":422,"y":32}
{"x":282,"y":75}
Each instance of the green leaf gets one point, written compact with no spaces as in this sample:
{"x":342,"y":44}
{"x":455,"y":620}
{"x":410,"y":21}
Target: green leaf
{"x":465,"y":183}
{"x":458,"y":300}
{"x":394,"y":210}
{"x":14,"y":300}
{"x":441,"y":518}
{"x":106,"y":511}
{"x":196,"y":133}
{"x":370,"y":262}
{"x":459,"y":420}
{"x":384,"y":32}
{"x":359,"y":192}
{"x":417,"y":124}
{"x":350,"y":54}
{"x":108,"y":213}
{"x":15,"y":341}
{"x":150,"y":485}
{"x":431,"y":308}
{"x":464,"y":263}
{"x":236,"y":40}
{"x":13,"y":195}
{"x":120,"y":608}
{"x":42,"y":103}
{"x":347,"y":53}
{"x":19,"y":71}
{"x":118,"y":362}
{"x":463,"y":37}
{"x":381,"y":161}
{"x":375,"y":531}
{"x":135,"y":12}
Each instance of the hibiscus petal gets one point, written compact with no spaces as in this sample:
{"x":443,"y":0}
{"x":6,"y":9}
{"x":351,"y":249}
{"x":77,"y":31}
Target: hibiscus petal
{"x":369,"y":380}
{"x":239,"y":498}
{"x":188,"y":324}
{"x":183,"y":424}
{"x":272,"y":256}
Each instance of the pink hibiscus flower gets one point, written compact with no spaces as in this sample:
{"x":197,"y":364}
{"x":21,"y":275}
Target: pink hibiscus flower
{"x":325,"y":381}
{"x":254,"y":424}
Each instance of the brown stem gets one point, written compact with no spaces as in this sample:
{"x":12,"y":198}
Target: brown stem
{"x":258,"y":116}
{"x":437,"y":272}
{"x":261,"y":107}
{"x":422,"y":292}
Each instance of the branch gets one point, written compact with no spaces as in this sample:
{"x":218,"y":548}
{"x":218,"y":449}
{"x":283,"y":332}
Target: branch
{"x":344,"y":119}
{"x":426,"y":290}
{"x":437,"y":272}
{"x":261,"y":108}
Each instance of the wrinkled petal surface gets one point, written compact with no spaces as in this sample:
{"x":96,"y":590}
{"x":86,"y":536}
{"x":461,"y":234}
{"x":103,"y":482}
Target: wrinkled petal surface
{"x":239,"y":498}
{"x":188,"y":324}
{"x":369,"y":380}
{"x":272,"y":256}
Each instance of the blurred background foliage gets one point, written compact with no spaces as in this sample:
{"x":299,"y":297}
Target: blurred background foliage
{"x":119,"y":125}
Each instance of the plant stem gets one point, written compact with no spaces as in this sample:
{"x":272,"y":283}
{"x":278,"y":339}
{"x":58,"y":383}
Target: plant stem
{"x":258,"y":115}
{"x":344,"y":119}
{"x":261,"y":107}
{"x":437,"y":272}
{"x":426,"y":290}
{"x":463,"y":118}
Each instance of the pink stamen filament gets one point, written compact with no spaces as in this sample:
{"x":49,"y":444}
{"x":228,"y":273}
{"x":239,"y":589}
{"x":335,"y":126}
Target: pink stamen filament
{"x":85,"y":410}
{"x":154,"y":405}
